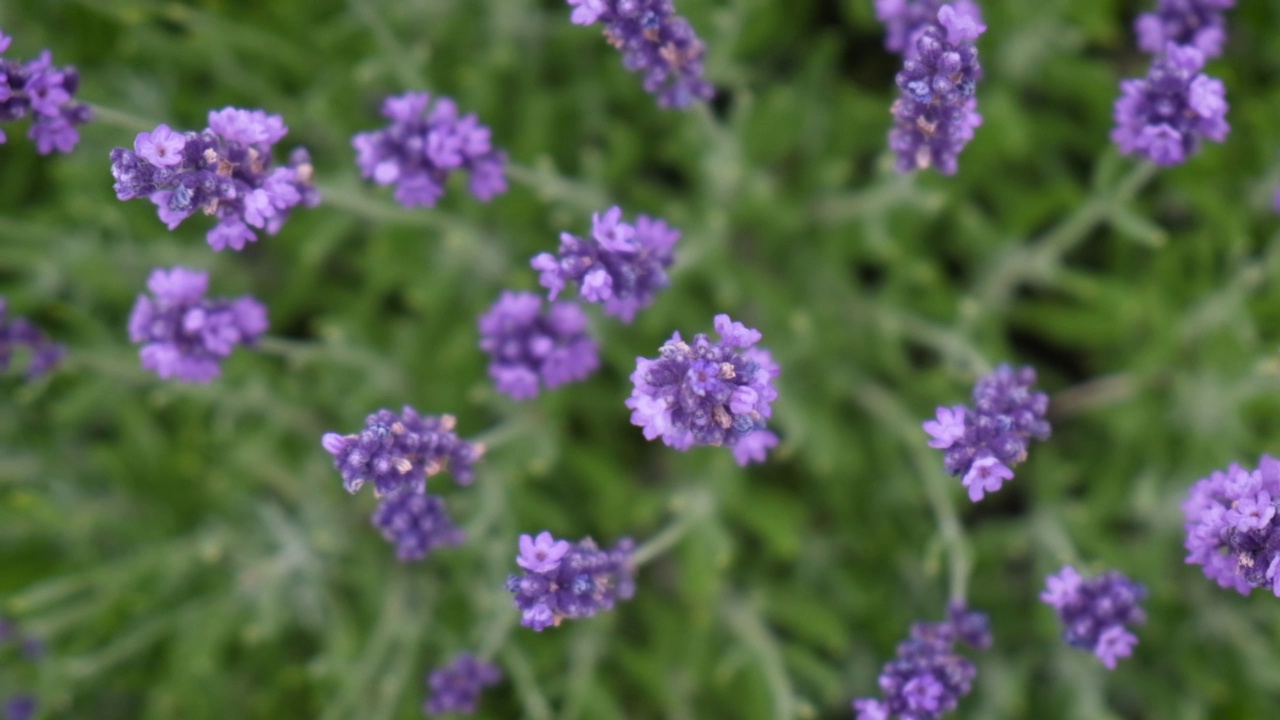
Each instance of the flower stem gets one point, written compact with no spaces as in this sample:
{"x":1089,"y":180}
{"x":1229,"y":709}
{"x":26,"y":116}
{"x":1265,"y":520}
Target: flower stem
{"x":691,"y":509}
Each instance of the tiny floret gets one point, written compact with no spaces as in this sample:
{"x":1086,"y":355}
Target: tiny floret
{"x":38,"y":89}
{"x":1233,"y":527}
{"x":705,"y":393}
{"x":456,"y":687}
{"x":564,"y":580}
{"x":401,"y":450}
{"x":532,"y":346}
{"x":225,"y":170}
{"x":1097,"y":612}
{"x":18,"y":332}
{"x":620,"y":265}
{"x":186,"y":336}
{"x":426,"y":141}
{"x":1167,"y":115}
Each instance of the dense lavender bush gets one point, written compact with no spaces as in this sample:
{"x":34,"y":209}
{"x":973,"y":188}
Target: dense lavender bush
{"x":456,"y":687}
{"x":530,"y":346}
{"x":1097,"y":612}
{"x":1168,"y":114}
{"x":44,"y":92}
{"x":1233,"y":527}
{"x":397,"y":451}
{"x":18,"y":332}
{"x":569,"y":580}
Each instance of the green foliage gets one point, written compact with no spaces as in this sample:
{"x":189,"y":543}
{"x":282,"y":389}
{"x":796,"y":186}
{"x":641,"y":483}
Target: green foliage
{"x":188,"y":551}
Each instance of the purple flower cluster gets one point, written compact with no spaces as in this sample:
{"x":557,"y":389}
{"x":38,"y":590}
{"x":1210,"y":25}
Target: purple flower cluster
{"x":563,"y":580}
{"x":1097,"y":612}
{"x":1166,"y":115}
{"x":1233,"y":526}
{"x":1195,"y":23}
{"x":935,"y":115}
{"x":425,"y":142}
{"x":655,"y":42}
{"x":927,"y":678}
{"x":985,"y":440}
{"x":529,"y":346}
{"x":401,"y":451}
{"x":225,"y":170}
{"x":456,"y":687}
{"x":416,"y":522}
{"x":620,"y":265}
{"x":38,"y":88}
{"x":705,"y":393}
{"x":17,"y":332}
{"x":905,"y":19}
{"x":183,"y":334}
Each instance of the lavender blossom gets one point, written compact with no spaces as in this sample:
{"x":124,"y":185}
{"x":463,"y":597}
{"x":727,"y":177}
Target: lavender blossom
{"x":905,"y":19}
{"x":401,"y":451}
{"x":620,"y":265}
{"x":456,"y":687}
{"x":416,"y":523}
{"x":20,"y":707}
{"x":1197,"y":23}
{"x":18,"y":332}
{"x":1233,"y":527}
{"x":45,"y":92}
{"x":707,"y":393}
{"x":183,"y":334}
{"x":425,"y":142}
{"x":936,"y":113}
{"x":1166,"y":115}
{"x":1097,"y":612}
{"x":655,"y":42}
{"x":984,"y":441}
{"x":529,"y":346}
{"x":225,"y":170}
{"x":563,"y":580}
{"x":927,"y":678}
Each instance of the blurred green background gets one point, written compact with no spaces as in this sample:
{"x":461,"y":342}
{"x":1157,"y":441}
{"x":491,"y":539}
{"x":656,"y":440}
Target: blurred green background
{"x":188,"y":552}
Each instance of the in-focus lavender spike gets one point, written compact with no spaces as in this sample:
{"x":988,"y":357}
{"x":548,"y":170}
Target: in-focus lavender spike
{"x":564,"y":580}
{"x":401,"y":450}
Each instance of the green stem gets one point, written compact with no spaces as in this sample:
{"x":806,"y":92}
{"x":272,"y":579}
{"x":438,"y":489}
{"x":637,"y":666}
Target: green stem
{"x":751,"y":629}
{"x":119,"y":119}
{"x":691,"y":510}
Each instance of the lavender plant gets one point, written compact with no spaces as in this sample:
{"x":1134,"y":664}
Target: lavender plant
{"x":655,"y":43}
{"x":530,"y":347}
{"x":415,"y":522}
{"x":456,"y":687}
{"x":569,"y":580}
{"x":186,"y":336}
{"x":45,"y":92}
{"x":983,"y":441}
{"x":426,"y":141}
{"x":707,"y":393}
{"x":1196,"y":23}
{"x":398,"y":451}
{"x":1167,"y":115}
{"x":1232,"y":526}
{"x":224,"y":170}
{"x":1097,"y":612}
{"x":18,"y":332}
{"x":620,"y":265}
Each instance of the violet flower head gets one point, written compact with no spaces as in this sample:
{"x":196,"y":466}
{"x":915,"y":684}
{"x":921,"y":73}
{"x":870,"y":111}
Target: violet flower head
{"x":186,"y":336}
{"x":1233,"y":527}
{"x":416,"y":523}
{"x":935,"y":115}
{"x":1197,"y":23}
{"x":905,"y":19}
{"x":396,"y":451}
{"x":567,"y":580}
{"x":18,"y":332}
{"x":655,"y":43}
{"x":425,"y":142}
{"x":456,"y":687}
{"x":224,"y":170}
{"x":530,"y":347}
{"x":44,"y":92}
{"x":1166,"y":115}
{"x":985,"y":441}
{"x":927,"y":678}
{"x":705,"y":393}
{"x":620,"y":265}
{"x":1097,"y":612}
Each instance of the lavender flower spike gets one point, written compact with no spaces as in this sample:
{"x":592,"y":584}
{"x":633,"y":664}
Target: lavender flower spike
{"x":1233,"y":527}
{"x":530,"y":347}
{"x":936,"y":113}
{"x":456,"y":687}
{"x":927,"y":678}
{"x":705,"y":393}
{"x":45,"y":92}
{"x":1167,"y":115}
{"x":425,"y":142}
{"x":17,"y":332}
{"x":983,"y":442}
{"x":186,"y":336}
{"x":416,"y":523}
{"x":1096,"y":613}
{"x":225,"y":170}
{"x":620,"y":265}
{"x":1197,"y":23}
{"x":397,"y":451}
{"x":905,"y":19}
{"x":655,"y":43}
{"x":565,"y":580}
